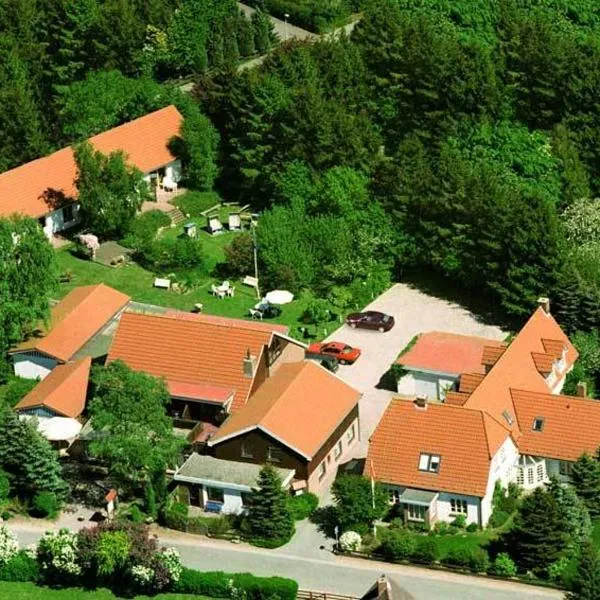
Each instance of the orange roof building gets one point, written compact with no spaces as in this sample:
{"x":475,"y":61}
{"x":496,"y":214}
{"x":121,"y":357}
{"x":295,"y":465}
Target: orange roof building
{"x":210,"y":364}
{"x":507,"y":422}
{"x":303,"y":417}
{"x":74,"y":321}
{"x":61,"y":394}
{"x":145,"y":142}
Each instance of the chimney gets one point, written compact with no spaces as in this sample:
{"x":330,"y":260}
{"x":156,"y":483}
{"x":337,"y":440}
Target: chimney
{"x":383,"y":588}
{"x":544,"y":304}
{"x":249,"y":364}
{"x":421,"y":402}
{"x":581,"y":389}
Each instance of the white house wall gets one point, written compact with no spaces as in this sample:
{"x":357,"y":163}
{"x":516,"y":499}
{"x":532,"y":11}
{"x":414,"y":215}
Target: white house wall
{"x":32,"y":366}
{"x":232,"y":501}
{"x":425,"y":384}
{"x":173,"y":170}
{"x":55,"y":221}
{"x":444,"y":507}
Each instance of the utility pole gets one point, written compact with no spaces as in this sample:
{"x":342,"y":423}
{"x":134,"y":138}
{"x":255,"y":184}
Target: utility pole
{"x":255,"y":251}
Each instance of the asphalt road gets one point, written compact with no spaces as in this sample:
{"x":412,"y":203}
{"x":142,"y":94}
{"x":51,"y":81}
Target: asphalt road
{"x":340,"y":575}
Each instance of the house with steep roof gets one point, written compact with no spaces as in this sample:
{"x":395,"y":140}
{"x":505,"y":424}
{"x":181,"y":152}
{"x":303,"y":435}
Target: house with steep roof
{"x":303,"y":418}
{"x":82,"y":314}
{"x":62,"y":394}
{"x":507,"y":423}
{"x":45,"y":188}
{"x":434,"y":363}
{"x":211,"y":365}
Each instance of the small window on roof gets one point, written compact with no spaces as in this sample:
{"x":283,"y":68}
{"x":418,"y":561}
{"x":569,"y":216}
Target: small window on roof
{"x":507,"y":417}
{"x":538,"y":424}
{"x":429,"y":462}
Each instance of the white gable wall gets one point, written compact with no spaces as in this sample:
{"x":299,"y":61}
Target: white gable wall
{"x":426,"y":384}
{"x":33,"y":365}
{"x":55,"y":221}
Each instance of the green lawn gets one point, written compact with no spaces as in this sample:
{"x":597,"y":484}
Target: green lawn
{"x":29,"y":591}
{"x":449,"y":543}
{"x":138,"y":283}
{"x":193,"y":203}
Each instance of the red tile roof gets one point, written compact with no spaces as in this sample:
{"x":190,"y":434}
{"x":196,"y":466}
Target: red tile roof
{"x":571,"y":425}
{"x":469,"y":382}
{"x":465,"y":440}
{"x":517,"y":369}
{"x":63,"y":391}
{"x":144,"y":141}
{"x":456,"y":398}
{"x":492,"y":353}
{"x":227,"y":321}
{"x":192,"y":351}
{"x":446,"y":353}
{"x":82,"y":313}
{"x":301,"y":405}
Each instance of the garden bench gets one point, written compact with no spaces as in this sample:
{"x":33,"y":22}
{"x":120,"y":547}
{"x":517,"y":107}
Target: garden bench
{"x":251,"y":281}
{"x":164,"y":284}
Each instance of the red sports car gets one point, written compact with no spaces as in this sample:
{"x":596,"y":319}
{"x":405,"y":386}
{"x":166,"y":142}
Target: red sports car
{"x":371,"y":319}
{"x":344,"y":353}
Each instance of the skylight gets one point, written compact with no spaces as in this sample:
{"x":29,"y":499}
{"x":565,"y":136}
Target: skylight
{"x":538,"y":424}
{"x":507,"y":417}
{"x":429,"y":462}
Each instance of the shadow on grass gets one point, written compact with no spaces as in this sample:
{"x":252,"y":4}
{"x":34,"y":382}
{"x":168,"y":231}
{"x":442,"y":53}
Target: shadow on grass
{"x":485,"y":310}
{"x":325,"y":518}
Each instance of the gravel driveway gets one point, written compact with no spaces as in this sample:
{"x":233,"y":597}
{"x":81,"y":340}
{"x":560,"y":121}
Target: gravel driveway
{"x":414,"y":312}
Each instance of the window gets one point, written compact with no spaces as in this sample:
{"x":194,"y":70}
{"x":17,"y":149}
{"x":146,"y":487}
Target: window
{"x":458,"y":506}
{"x":507,"y":417}
{"x":247,"y":450}
{"x":215,"y":494}
{"x":275,"y":454}
{"x":322,"y":470}
{"x":429,"y":462}
{"x":337,"y":452}
{"x":565,"y":468}
{"x":530,"y":478}
{"x":520,"y":478}
{"x":351,"y":434}
{"x":67,"y":212}
{"x":538,"y":424}
{"x":394,"y":495}
{"x":415,"y":512}
{"x":540,"y":472}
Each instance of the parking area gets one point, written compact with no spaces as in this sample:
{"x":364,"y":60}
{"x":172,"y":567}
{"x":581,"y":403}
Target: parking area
{"x":414,"y":312}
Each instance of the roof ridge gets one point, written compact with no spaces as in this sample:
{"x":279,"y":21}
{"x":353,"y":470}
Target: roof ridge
{"x":485,"y":433}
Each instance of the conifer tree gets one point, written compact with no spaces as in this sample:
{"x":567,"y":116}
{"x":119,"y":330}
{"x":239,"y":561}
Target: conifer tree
{"x":269,"y":516}
{"x":586,"y":584}
{"x":263,"y":31}
{"x":585,"y":477}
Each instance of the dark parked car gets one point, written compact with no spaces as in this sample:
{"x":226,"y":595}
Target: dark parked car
{"x":371,"y":319}
{"x":329,"y":362}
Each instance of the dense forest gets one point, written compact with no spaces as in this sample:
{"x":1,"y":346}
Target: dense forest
{"x":452,"y":136}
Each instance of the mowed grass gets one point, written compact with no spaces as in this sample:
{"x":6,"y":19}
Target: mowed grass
{"x":29,"y":591}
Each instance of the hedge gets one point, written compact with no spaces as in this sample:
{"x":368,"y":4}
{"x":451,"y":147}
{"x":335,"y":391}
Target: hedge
{"x":20,"y":567}
{"x":302,"y":506}
{"x":216,"y":585}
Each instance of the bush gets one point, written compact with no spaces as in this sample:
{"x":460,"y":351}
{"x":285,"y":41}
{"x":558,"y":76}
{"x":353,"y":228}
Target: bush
{"x":441,"y":528}
{"x":426,"y":551}
{"x":302,"y":506}
{"x":350,"y":541}
{"x":135,"y":514}
{"x":498,"y":518}
{"x":177,"y":516}
{"x":4,"y":486}
{"x":270,"y":542}
{"x":472,"y":527}
{"x":57,"y":555}
{"x":239,"y":256}
{"x":476,"y":559}
{"x":219,"y":525}
{"x":504,"y":566}
{"x":8,"y":545}
{"x":399,"y":544}
{"x":145,"y":227}
{"x":45,"y":504}
{"x":21,"y":567}
{"x":556,"y":570}
{"x":460,"y":521}
{"x":215,"y":584}
{"x":169,"y":253}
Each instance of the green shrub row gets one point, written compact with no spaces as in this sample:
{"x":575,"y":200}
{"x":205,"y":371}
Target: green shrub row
{"x":144,"y":228}
{"x":20,"y":567}
{"x":176,"y":517}
{"x":217,"y":584}
{"x":302,"y":506}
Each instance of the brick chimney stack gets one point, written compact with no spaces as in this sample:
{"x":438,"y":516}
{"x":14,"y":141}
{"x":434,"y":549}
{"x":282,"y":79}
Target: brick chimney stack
{"x":544,"y":304}
{"x":582,"y":389}
{"x":421,"y":402}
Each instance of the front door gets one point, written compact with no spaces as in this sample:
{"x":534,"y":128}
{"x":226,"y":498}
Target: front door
{"x":196,"y":495}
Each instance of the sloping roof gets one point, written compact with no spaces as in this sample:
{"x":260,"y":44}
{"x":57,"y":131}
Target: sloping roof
{"x":208,"y":468}
{"x":227,"y":321}
{"x":144,"y":141}
{"x":75,"y":319}
{"x":446,"y":353}
{"x":571,"y":425}
{"x":469,"y":381}
{"x":458,"y":435}
{"x":301,"y":405}
{"x":456,"y":398}
{"x":517,"y":369}
{"x":491,"y":354}
{"x":190,"y":351}
{"x":62,"y":391}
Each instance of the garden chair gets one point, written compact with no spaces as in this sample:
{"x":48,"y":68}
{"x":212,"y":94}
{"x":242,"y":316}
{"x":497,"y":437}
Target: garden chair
{"x":231,"y":291}
{"x":214,"y":225}
{"x":256,"y":314}
{"x":217,"y":292}
{"x":235,"y":222}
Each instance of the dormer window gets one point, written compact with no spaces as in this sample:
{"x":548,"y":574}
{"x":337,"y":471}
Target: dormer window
{"x":429,"y":462}
{"x":508,"y":417}
{"x":538,"y":424}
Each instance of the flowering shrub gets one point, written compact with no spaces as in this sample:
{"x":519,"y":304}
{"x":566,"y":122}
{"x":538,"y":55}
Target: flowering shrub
{"x":31,"y":550}
{"x":234,"y":592}
{"x":350,"y":541}
{"x":57,"y":555}
{"x":169,"y":557}
{"x":142,"y":576}
{"x":8,"y":545}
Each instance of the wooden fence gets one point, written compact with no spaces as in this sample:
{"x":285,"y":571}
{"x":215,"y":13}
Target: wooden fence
{"x":312,"y":595}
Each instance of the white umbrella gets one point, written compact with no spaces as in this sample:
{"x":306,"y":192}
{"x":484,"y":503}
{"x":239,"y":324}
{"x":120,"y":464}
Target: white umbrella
{"x":279,"y":297}
{"x":57,"y":429}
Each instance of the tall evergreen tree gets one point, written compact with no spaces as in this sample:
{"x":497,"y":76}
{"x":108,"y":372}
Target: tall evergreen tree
{"x":576,"y":517}
{"x":269,"y":516}
{"x":263,"y":31}
{"x":537,"y":538}
{"x":586,"y":584}
{"x":585,"y":477}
